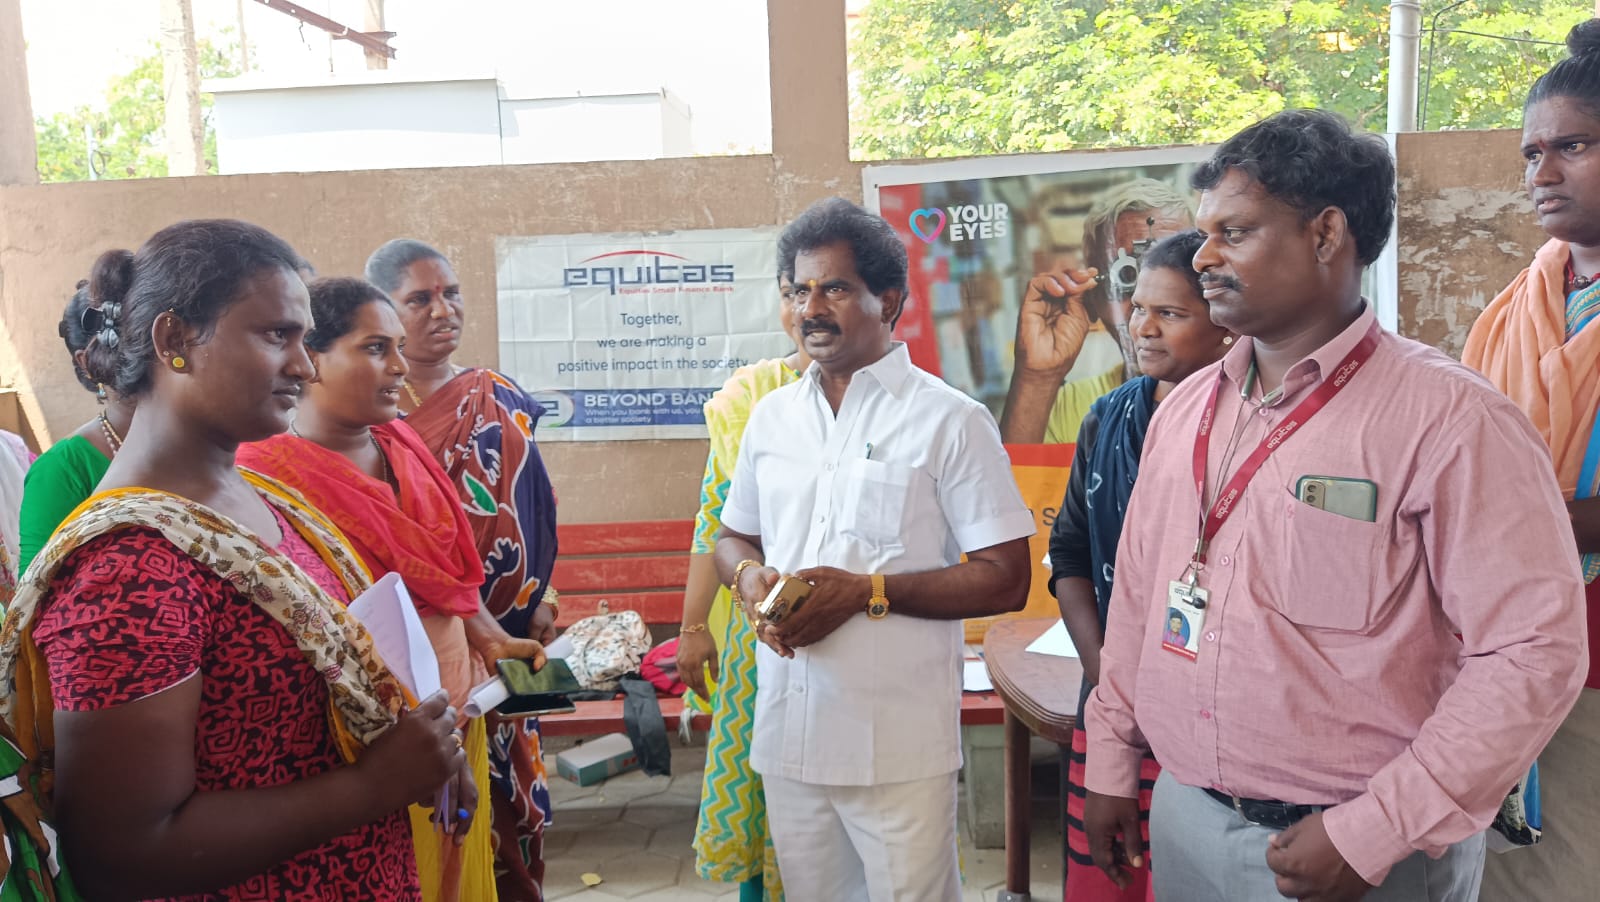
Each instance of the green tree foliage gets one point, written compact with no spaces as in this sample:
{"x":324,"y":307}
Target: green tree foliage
{"x":958,"y":77}
{"x":126,"y":130}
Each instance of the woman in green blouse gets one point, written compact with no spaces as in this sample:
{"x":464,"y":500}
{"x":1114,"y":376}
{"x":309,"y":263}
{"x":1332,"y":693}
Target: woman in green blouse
{"x":67,"y":474}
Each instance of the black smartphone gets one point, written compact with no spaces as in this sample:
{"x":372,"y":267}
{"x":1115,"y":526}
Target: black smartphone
{"x":534,"y":692}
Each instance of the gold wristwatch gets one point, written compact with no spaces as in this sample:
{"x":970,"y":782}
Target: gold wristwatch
{"x":878,"y":604}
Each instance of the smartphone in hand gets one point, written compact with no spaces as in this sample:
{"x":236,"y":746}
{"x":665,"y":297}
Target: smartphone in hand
{"x":536,"y":692}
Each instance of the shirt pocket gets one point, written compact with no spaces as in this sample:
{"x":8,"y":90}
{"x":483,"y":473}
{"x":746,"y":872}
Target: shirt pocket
{"x":1325,"y":565}
{"x":874,"y":494}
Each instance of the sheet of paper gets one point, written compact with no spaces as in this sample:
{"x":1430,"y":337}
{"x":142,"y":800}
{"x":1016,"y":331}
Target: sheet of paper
{"x":1055,"y":641}
{"x":389,"y":614}
{"x":975,"y":676}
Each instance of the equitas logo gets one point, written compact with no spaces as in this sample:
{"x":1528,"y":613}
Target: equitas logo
{"x":655,"y":272}
{"x":966,"y":222}
{"x":1281,"y":433}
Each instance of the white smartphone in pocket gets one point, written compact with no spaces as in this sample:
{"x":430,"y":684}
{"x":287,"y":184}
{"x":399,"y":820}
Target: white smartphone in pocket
{"x":1347,"y":497}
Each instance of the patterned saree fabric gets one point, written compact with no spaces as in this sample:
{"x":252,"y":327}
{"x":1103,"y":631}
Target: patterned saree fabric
{"x":479,"y":426}
{"x":731,"y":840}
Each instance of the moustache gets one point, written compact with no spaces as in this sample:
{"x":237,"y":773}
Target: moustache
{"x":818,"y":325}
{"x":1207,"y":282}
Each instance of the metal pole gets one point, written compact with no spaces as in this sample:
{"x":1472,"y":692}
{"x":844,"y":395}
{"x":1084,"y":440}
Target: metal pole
{"x":1405,"y":33}
{"x":89,"y":151}
{"x":377,"y":42}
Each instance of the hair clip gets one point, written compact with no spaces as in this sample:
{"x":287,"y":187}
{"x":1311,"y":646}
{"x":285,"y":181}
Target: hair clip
{"x":98,"y":318}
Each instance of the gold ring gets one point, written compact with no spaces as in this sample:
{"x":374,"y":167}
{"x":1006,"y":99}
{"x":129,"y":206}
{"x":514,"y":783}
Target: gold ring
{"x":456,"y":735}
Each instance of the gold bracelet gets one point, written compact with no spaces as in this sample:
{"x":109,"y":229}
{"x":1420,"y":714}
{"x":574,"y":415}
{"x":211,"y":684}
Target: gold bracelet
{"x":553,"y":599}
{"x":693,"y":628}
{"x":738,"y":572}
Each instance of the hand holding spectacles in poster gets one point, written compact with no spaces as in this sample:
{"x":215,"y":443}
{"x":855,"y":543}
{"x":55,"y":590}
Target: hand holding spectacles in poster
{"x":1052,"y":323}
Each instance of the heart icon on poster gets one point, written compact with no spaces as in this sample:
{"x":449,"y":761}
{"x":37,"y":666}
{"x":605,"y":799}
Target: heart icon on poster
{"x":921,"y":229}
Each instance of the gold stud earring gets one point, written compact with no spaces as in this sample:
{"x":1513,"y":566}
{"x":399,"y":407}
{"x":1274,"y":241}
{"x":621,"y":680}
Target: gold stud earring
{"x":179,"y":363}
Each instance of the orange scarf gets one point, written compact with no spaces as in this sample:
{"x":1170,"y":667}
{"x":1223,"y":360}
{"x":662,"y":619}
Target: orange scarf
{"x":423,"y":535}
{"x":1519,"y":342}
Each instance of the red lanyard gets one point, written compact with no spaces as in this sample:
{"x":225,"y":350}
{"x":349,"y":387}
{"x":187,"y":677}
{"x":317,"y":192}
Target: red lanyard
{"x":1223,"y":507}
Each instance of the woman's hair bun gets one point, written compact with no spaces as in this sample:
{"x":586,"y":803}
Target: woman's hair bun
{"x":1584,"y":38}
{"x":111,"y":277}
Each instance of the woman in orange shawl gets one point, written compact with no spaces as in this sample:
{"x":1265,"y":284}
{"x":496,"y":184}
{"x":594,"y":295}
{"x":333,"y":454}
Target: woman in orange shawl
{"x":375,"y":479}
{"x":1538,"y":343}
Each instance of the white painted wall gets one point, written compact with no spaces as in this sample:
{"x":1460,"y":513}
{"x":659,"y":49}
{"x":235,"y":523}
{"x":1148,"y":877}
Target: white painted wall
{"x":677,"y":126}
{"x":381,"y":122}
{"x":312,"y":128}
{"x":582,"y":129}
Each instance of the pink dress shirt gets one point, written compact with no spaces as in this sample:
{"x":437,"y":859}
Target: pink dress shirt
{"x":1330,"y":671}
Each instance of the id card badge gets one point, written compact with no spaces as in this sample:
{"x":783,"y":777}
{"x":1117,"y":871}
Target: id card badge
{"x":1186,"y":617}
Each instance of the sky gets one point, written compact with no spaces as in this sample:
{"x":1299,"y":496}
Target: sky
{"x":710,"y":53}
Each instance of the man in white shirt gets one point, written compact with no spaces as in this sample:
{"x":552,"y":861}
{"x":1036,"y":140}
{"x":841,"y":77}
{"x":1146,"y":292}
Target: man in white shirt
{"x":868,"y":478}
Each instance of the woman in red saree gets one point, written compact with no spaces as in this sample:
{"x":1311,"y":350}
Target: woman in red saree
{"x":178,"y":664}
{"x":479,"y":424}
{"x":376,"y":480}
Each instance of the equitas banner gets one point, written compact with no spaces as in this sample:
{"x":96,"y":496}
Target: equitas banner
{"x":625,"y":336}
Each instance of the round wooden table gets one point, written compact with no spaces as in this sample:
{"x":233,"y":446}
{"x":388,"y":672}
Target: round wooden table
{"x":1041,"y":698}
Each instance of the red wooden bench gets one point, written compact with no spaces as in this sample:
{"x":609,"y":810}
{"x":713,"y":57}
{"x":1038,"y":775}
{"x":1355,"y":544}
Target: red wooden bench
{"x":631,"y":566}
{"x":642,"y":566}
{"x":637,"y":566}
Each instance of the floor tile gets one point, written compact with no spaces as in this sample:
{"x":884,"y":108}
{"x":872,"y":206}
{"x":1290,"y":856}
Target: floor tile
{"x":635,"y":832}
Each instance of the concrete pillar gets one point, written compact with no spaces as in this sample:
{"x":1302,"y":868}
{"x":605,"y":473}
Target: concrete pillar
{"x":809,"y":64}
{"x":19,"y":160}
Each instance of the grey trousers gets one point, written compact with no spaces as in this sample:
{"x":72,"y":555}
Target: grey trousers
{"x":1201,"y":851}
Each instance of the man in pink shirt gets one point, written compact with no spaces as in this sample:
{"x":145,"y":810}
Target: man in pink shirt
{"x":1385,"y":620}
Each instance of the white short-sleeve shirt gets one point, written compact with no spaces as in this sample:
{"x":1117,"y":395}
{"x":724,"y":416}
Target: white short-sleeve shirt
{"x":908,"y":477}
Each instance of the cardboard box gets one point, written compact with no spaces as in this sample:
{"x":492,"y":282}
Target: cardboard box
{"x":597,"y":759}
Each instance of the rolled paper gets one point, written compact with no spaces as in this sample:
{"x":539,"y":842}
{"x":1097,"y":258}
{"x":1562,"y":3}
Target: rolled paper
{"x":486,"y":696}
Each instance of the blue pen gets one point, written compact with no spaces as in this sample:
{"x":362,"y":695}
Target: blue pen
{"x":869,"y":451}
